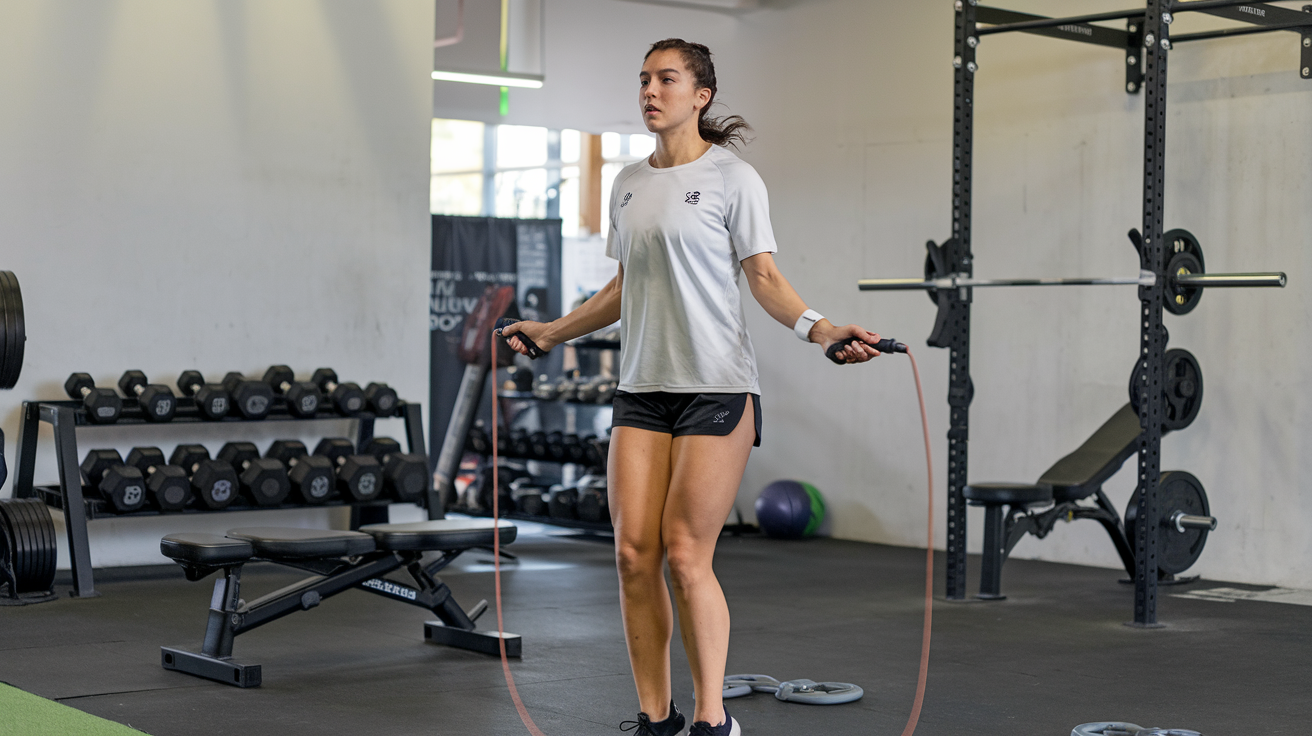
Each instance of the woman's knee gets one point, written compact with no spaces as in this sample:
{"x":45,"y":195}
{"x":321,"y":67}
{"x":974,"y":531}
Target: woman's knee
{"x":636,"y":560}
{"x":689,"y":564}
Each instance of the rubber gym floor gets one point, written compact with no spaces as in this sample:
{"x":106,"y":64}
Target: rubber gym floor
{"x":1054,"y":655}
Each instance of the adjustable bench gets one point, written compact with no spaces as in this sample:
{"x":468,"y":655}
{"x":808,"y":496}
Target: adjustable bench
{"x":338,"y":561}
{"x":1073,"y":478}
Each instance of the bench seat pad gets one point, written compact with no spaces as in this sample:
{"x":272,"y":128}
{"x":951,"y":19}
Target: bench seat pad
{"x":1018,"y":494}
{"x":439,"y":534}
{"x":208,"y":550}
{"x":275,"y":542}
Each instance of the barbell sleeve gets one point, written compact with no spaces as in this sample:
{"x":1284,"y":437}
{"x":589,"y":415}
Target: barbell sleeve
{"x":1226,"y":280}
{"x":1182,"y":522}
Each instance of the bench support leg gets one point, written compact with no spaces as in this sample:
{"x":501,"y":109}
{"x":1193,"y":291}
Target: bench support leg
{"x":990,"y":578}
{"x":215,"y":662}
{"x":455,"y":628}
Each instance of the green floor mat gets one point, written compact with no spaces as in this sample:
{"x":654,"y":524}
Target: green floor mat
{"x":25,"y":714}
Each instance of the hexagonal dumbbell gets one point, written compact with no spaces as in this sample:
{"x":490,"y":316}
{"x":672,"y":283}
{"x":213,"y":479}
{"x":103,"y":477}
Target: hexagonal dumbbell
{"x":405,"y":475}
{"x":215,"y":483}
{"x":156,"y":400}
{"x":251,"y":399}
{"x":102,"y":405}
{"x":212,"y":401}
{"x":123,"y":486}
{"x":381,"y":399}
{"x":359,"y":477}
{"x":167,"y":485}
{"x":312,"y":476}
{"x":302,"y":398}
{"x":346,"y":398}
{"x":264,"y":480}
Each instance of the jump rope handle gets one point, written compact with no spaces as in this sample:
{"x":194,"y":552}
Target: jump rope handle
{"x":534,"y":352}
{"x":887,"y":345}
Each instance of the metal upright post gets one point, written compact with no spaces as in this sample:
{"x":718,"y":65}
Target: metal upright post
{"x":63,"y":422}
{"x":958,"y":330}
{"x":1152,"y":339}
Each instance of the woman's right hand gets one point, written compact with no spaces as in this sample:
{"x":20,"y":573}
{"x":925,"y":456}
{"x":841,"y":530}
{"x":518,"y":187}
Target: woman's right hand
{"x":535,"y":331}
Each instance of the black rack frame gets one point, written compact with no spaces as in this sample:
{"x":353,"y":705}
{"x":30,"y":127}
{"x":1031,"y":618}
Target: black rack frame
{"x":1147,"y":44}
{"x":66,"y":417}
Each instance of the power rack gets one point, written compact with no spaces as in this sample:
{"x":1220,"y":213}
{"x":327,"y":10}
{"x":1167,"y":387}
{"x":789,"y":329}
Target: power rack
{"x":66,"y":417}
{"x":1146,"y":42}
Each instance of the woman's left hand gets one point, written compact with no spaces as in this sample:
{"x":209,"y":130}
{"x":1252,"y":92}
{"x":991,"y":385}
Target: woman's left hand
{"x":857,"y":352}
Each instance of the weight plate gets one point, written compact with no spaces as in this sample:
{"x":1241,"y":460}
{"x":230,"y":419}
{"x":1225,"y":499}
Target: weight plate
{"x":45,"y":579}
{"x":1181,"y":299}
{"x":15,"y":336}
{"x":23,"y":543}
{"x":1180,"y":240}
{"x":930,"y":275}
{"x":1176,"y":491}
{"x":7,"y":537}
{"x":35,"y":549}
{"x":4,"y":329}
{"x":1182,"y":388}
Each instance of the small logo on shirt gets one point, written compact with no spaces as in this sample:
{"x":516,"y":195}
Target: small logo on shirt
{"x":719,"y":418}
{"x":692,"y":198}
{"x":627,"y":197}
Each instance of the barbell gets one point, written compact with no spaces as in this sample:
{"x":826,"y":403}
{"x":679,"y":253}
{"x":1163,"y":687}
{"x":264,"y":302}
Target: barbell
{"x":1184,"y":280}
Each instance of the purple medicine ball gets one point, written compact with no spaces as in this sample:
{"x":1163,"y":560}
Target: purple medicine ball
{"x":789,"y":509}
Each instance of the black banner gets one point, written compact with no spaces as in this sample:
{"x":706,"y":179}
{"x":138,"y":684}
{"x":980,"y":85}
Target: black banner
{"x":468,"y":254}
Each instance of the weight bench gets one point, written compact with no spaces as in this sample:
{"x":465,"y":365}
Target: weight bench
{"x":338,"y":561}
{"x":1072,"y":479}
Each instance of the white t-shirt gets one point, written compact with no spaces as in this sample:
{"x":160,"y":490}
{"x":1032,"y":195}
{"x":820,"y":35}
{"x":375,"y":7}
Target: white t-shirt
{"x":680,"y":233}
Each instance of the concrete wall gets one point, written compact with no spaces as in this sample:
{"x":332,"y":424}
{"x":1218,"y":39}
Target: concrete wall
{"x":219,"y":186}
{"x":851,"y":101}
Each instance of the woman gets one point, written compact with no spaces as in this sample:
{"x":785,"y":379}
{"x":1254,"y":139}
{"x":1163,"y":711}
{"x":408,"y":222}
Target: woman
{"x":683,"y":224}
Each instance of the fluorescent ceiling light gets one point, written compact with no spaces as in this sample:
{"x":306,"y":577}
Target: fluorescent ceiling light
{"x":497,"y":80}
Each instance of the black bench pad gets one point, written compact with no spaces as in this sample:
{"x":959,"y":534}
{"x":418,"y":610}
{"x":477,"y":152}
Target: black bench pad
{"x":1083,"y":472}
{"x":439,"y":534}
{"x":1019,"y":494}
{"x":275,"y":542}
{"x":208,"y":550}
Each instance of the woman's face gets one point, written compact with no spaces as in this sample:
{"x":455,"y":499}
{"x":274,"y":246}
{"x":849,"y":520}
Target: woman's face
{"x":667,"y":94}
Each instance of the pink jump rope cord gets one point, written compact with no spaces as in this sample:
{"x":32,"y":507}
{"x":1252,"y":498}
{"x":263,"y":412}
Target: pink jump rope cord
{"x":929,"y":559}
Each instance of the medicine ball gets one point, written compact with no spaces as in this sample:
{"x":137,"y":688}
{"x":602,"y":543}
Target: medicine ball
{"x":788,"y":509}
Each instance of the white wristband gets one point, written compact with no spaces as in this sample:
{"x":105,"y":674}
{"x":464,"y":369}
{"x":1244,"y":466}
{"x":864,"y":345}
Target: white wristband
{"x":804,"y":324}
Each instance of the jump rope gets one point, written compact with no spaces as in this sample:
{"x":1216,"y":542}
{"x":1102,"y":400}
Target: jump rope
{"x":887,"y":345}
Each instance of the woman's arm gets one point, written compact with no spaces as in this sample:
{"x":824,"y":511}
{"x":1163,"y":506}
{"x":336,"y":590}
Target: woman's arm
{"x":601,"y":310}
{"x":777,"y":296}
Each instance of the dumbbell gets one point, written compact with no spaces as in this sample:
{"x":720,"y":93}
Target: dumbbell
{"x":302,"y":398}
{"x":519,"y":445}
{"x":347,"y":398}
{"x":593,"y":505}
{"x":311,"y":476}
{"x":359,"y":477}
{"x":264,"y":480}
{"x":537,"y":446}
{"x":167,"y":485}
{"x":214,"y":481}
{"x":212,"y":401}
{"x":563,"y":503}
{"x":478,"y":441}
{"x":102,"y":405}
{"x":574,"y":450}
{"x":156,"y":401}
{"x":251,"y":399}
{"x":381,"y":399}
{"x":405,"y":475}
{"x":123,"y":486}
{"x":556,"y":445}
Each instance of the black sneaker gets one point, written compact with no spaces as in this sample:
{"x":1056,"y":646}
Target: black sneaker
{"x":730,"y":727}
{"x":645,"y":726}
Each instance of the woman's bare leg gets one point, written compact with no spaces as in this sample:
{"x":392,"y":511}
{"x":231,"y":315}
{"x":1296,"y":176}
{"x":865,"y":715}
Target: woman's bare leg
{"x":704,"y":479}
{"x":638,"y":478}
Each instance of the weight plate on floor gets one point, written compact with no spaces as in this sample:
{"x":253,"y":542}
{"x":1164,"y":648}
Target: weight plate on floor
{"x":1182,"y":388}
{"x":12,"y":325}
{"x":33,"y":551}
{"x":1176,"y":491}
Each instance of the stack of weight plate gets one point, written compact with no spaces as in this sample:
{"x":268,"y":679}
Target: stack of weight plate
{"x":27,"y":552}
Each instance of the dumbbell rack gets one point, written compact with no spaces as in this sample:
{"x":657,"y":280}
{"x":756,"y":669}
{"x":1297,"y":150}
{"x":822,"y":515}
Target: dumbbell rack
{"x":66,"y":417}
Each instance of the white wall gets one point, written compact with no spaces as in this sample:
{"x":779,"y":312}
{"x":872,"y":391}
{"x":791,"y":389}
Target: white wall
{"x":851,"y":101}
{"x":215,"y":185}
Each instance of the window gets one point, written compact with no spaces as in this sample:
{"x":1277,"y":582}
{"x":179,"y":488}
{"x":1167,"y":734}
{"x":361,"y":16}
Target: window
{"x":521,"y":171}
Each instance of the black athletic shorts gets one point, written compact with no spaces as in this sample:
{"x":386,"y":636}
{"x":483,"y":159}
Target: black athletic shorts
{"x":683,"y":414}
